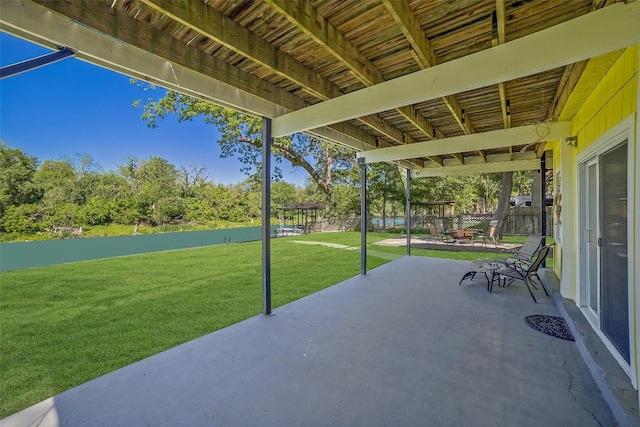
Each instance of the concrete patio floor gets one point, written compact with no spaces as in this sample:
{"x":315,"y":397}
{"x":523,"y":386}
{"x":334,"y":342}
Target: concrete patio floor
{"x":401,"y":346}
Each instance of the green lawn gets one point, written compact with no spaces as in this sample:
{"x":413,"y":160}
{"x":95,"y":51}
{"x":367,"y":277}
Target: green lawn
{"x":64,"y":325}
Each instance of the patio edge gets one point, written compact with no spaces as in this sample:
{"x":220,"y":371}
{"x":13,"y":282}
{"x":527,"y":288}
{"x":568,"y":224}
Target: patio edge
{"x":613,"y":382}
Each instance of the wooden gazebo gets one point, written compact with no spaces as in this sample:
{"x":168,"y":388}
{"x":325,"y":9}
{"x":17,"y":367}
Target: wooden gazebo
{"x":298,"y":215}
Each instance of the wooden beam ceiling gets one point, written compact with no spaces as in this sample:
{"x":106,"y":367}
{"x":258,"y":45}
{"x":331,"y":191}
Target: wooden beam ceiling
{"x":216,"y":26}
{"x":426,"y":57}
{"x":611,"y":28}
{"x":306,"y":18}
{"x":570,"y":78}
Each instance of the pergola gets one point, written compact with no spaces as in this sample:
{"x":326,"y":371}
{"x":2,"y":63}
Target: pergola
{"x":301,"y":213}
{"x":435,"y":86}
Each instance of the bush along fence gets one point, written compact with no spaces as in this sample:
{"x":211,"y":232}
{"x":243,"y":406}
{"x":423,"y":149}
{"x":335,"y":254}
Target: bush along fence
{"x":18,"y":255}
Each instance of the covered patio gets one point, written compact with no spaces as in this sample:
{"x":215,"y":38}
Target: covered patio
{"x":437,"y":88}
{"x":403,"y":345}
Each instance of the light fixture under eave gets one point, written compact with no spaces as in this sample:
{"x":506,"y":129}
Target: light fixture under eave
{"x":572,"y":141}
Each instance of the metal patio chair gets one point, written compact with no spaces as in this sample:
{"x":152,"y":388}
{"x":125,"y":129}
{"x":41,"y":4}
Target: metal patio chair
{"x":489,"y":234}
{"x":523,"y":256}
{"x":516,"y":271}
{"x":437,"y":233}
{"x":435,"y":236}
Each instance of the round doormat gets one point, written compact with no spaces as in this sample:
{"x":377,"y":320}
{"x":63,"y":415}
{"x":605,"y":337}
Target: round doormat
{"x":550,"y":325}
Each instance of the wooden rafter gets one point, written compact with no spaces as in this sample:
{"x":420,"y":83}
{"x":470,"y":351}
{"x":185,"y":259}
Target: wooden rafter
{"x":216,"y":26}
{"x":459,"y":157}
{"x":568,"y":82}
{"x":459,"y":114}
{"x":500,"y":37}
{"x":406,"y":20}
{"x":570,"y":77}
{"x":500,"y":18}
{"x":306,"y":18}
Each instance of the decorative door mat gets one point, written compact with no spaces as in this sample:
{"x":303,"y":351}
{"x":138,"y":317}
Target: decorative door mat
{"x":550,"y":325}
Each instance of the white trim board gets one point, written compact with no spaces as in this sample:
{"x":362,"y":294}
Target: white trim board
{"x":466,"y":169}
{"x":614,"y":136}
{"x":522,"y":135}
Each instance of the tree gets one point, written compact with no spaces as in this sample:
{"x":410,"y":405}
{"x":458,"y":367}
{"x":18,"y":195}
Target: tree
{"x":190,"y":179}
{"x":23,"y":219}
{"x":152,"y":180}
{"x":503,"y":201}
{"x":385,"y":188}
{"x":83,"y":163}
{"x":17,"y":170}
{"x":241,"y":137}
{"x":460,"y":189}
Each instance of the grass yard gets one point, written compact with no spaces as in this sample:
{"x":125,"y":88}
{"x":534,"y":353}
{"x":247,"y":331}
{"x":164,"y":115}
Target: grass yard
{"x":64,"y":325}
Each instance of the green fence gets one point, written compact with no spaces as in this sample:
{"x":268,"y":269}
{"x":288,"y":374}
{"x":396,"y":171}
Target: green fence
{"x":17,"y":255}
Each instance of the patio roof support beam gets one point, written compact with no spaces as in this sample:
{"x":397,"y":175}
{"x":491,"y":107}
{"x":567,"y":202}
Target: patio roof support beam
{"x":266,"y":216}
{"x":521,"y":135}
{"x":491,"y":167}
{"x":407,"y":221}
{"x":610,"y":28}
{"x":543,"y":204}
{"x":33,"y":63}
{"x":363,"y":216}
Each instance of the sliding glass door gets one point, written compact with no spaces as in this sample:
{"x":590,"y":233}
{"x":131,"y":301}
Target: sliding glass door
{"x":604,"y":245}
{"x":614,"y":291}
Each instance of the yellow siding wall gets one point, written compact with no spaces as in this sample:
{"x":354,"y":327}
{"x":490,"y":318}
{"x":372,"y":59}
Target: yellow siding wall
{"x":613,"y":99}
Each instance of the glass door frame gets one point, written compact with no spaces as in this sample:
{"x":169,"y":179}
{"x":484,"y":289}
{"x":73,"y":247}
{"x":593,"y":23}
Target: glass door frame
{"x":617,"y":135}
{"x":588,"y":230}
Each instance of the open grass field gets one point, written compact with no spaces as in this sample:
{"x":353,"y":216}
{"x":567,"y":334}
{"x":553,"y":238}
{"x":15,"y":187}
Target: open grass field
{"x":64,"y":325}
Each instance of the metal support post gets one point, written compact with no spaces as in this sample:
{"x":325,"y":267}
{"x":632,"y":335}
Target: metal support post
{"x":543,"y":208}
{"x":408,"y":212}
{"x":32,"y":64}
{"x":363,"y":215}
{"x":266,"y":216}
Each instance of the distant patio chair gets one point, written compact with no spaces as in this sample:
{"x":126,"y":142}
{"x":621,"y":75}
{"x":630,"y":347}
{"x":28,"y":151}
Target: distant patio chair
{"x":489,"y":234}
{"x":517,"y":271}
{"x":435,"y":236}
{"x":524,"y":255}
{"x":440,"y":226}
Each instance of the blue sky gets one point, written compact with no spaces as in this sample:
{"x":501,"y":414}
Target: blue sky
{"x":74,"y":107}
